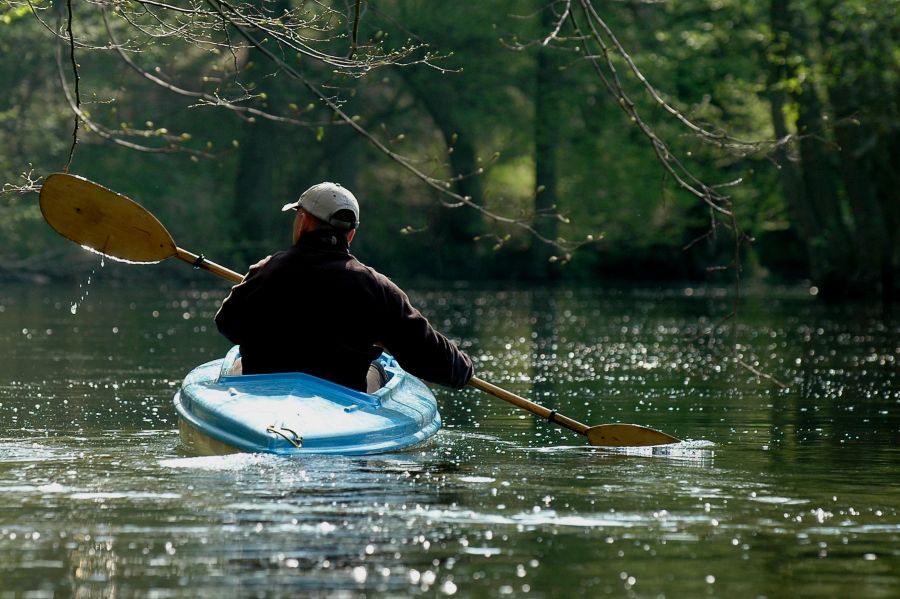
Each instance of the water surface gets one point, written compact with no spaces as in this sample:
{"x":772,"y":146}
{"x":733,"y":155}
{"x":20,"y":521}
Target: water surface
{"x":787,"y":485}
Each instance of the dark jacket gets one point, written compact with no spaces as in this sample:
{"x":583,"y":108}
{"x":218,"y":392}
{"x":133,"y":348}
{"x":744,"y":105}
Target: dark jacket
{"x":315,"y":308}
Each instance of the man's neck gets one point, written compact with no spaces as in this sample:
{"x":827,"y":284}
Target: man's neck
{"x":323,"y":239}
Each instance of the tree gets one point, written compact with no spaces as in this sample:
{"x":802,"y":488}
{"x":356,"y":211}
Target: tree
{"x":547,"y":105}
{"x":537,"y":131}
{"x":834,"y":88}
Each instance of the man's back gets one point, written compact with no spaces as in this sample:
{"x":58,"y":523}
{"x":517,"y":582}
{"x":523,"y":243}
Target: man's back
{"x":314,"y":308}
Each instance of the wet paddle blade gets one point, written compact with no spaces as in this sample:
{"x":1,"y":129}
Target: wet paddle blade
{"x":627,"y":435}
{"x":104,"y":221}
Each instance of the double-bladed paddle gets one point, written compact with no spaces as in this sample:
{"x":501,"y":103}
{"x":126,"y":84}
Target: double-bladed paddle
{"x":109,"y":223}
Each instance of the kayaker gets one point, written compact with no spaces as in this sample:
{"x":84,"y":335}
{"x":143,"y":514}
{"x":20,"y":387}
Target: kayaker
{"x":315,"y":308}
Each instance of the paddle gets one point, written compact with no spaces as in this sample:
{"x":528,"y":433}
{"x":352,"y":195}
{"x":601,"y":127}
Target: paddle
{"x":115,"y":226}
{"x":109,"y":223}
{"x":604,"y":435}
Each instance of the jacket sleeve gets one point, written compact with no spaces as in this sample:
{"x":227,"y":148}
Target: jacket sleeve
{"x":236,"y":312}
{"x":419,"y":348}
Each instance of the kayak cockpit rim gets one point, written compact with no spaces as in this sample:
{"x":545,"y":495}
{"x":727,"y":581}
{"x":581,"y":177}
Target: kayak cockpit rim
{"x":391,"y":369}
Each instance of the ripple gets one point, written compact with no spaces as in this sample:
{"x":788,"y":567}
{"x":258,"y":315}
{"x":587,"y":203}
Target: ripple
{"x":775,"y":500}
{"x":476,"y":479}
{"x":23,"y":451}
{"x":697,"y":452}
{"x":235,"y":461}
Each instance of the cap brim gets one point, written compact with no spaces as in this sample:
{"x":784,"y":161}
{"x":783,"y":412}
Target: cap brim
{"x":291,"y":206}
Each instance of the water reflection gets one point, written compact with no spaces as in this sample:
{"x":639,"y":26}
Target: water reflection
{"x":783,"y":492}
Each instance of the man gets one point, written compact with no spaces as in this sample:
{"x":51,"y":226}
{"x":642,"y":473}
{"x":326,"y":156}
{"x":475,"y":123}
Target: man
{"x":315,"y":308}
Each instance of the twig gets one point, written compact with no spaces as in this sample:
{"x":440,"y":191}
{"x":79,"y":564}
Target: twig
{"x":559,"y":23}
{"x":231,"y":15}
{"x":355,"y":31}
{"x":759,"y":373}
{"x":77,"y":92}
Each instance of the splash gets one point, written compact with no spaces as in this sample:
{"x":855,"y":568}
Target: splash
{"x":234,"y":461}
{"x":696,"y":452}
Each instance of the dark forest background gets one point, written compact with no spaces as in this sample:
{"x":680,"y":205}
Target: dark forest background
{"x":530,"y":140}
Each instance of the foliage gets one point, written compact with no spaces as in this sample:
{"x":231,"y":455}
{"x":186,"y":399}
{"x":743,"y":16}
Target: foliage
{"x":212,"y":114}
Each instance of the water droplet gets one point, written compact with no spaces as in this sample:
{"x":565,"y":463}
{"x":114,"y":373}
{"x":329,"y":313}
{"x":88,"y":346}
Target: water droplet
{"x":360,"y":574}
{"x":84,"y":293}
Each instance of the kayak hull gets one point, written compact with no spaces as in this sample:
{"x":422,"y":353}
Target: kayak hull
{"x":299,"y":414}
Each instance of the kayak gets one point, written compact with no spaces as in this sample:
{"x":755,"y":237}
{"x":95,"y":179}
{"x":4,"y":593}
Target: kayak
{"x":298,"y":414}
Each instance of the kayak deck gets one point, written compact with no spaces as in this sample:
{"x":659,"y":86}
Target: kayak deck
{"x":296,"y":413}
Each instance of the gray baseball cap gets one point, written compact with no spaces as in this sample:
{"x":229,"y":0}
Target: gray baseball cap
{"x":329,"y":202}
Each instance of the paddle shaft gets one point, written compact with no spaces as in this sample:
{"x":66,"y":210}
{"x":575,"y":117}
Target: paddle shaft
{"x":198,"y":261}
{"x":537,"y":409}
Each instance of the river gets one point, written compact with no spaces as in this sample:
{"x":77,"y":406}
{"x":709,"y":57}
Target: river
{"x":787,"y":484}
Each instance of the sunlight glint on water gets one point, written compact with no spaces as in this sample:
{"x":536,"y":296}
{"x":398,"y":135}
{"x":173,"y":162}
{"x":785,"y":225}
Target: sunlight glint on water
{"x":775,"y":492}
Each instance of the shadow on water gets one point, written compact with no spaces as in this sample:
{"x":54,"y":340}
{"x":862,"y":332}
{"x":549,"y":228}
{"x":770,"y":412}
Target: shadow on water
{"x":777,"y":492}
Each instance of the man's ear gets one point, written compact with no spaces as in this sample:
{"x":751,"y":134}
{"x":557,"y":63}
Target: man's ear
{"x":351,"y":235}
{"x":300,"y":225}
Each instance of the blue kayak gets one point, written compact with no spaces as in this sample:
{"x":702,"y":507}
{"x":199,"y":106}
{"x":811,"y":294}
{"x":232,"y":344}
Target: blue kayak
{"x":299,"y":414}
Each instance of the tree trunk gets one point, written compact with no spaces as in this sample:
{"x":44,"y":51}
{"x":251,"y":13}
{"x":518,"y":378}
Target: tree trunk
{"x":856,"y":90}
{"x":810,"y":185}
{"x":546,"y":140}
{"x":255,"y":209}
{"x":856,"y":141}
{"x":453,"y":229}
{"x":788,"y":169}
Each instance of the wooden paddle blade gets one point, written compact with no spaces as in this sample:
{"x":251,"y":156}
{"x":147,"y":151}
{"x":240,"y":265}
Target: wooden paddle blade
{"x":627,"y":435}
{"x":104,"y":221}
